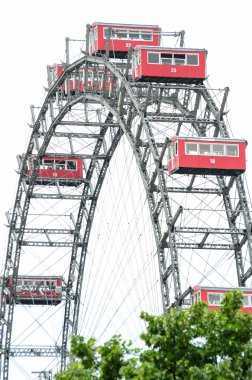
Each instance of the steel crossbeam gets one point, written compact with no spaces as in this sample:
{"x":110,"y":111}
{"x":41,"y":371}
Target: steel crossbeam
{"x":35,"y":351}
{"x":27,"y":243}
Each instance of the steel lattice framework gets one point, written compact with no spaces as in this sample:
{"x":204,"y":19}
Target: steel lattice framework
{"x":90,"y":125}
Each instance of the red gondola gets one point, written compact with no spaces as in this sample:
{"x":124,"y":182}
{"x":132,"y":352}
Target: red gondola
{"x":168,"y":65}
{"x":122,"y":37}
{"x":36,"y":290}
{"x":77,"y":82}
{"x":198,"y":155}
{"x":67,"y":171}
{"x":213,"y":296}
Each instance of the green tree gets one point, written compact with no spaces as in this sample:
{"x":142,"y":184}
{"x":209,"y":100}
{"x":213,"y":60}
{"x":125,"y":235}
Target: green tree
{"x":97,"y":362}
{"x":185,"y":344}
{"x":87,"y":362}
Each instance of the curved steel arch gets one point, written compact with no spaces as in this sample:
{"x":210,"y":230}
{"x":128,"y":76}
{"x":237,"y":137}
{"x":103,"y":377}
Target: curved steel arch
{"x":130,"y":102}
{"x":29,"y":192}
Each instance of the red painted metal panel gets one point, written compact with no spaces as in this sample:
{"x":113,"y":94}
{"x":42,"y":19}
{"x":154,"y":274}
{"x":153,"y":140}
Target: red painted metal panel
{"x":143,"y":70}
{"x":204,"y":292}
{"x":183,"y":163}
{"x":68,"y":170}
{"x":94,"y":81}
{"x":41,"y":290}
{"x":119,"y":46}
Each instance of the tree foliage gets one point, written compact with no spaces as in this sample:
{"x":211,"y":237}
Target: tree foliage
{"x":193,"y":343}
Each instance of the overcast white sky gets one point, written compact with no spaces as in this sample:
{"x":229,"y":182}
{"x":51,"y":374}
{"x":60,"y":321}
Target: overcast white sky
{"x":33,"y":36}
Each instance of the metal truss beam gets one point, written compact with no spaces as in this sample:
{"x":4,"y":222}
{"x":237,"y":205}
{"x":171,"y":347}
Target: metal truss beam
{"x":167,"y":273}
{"x":182,"y":300}
{"x":77,"y":135}
{"x":247,"y":275}
{"x":167,"y":86}
{"x":61,"y":196}
{"x":27,"y":243}
{"x":195,"y":190}
{"x":205,"y":246}
{"x":179,"y":119}
{"x":38,"y":351}
{"x":88,"y":124}
{"x":55,"y":231}
{"x":222,"y":231}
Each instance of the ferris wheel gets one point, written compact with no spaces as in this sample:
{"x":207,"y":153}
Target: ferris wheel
{"x":131,"y":194}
